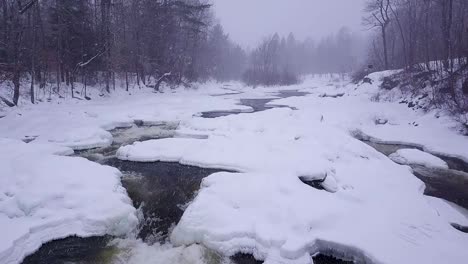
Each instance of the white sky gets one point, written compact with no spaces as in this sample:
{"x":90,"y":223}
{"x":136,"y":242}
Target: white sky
{"x":248,"y":21}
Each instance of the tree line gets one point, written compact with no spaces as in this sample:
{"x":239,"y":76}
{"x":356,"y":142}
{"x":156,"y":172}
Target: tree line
{"x":57,"y":43}
{"x":62,"y":46}
{"x":281,"y":60}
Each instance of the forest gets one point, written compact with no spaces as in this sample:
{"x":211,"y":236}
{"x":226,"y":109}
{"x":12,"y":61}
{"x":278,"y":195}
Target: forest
{"x":57,"y":46}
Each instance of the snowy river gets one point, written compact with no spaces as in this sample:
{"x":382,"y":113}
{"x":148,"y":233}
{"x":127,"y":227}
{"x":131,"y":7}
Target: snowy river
{"x":161,"y":192}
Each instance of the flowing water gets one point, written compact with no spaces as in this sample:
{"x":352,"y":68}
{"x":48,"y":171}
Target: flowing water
{"x":162,"y":191}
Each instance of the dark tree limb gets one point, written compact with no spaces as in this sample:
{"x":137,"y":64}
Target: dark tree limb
{"x":84,"y":63}
{"x":7,"y":102}
{"x":23,"y":9}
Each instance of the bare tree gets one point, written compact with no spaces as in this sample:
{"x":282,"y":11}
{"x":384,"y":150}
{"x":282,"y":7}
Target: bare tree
{"x":447,"y":17}
{"x":379,"y":16}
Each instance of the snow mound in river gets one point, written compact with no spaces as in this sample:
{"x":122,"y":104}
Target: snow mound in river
{"x":45,"y":197}
{"x":418,"y":157}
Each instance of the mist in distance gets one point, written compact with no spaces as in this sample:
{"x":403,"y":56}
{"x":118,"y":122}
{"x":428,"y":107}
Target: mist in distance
{"x":248,"y":21}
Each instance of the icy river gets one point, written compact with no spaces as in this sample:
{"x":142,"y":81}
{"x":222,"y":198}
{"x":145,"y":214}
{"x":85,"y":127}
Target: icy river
{"x":162,"y":190}
{"x":318,"y":174}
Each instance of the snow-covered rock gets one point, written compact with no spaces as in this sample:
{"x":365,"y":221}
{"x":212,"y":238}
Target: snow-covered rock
{"x":45,"y":197}
{"x":418,"y":157}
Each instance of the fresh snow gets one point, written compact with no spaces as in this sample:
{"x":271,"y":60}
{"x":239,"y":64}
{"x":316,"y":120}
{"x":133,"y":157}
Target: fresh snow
{"x":418,"y":157}
{"x":45,"y":197}
{"x":372,"y":209}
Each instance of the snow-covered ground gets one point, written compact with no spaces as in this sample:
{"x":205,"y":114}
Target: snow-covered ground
{"x":372,"y":209}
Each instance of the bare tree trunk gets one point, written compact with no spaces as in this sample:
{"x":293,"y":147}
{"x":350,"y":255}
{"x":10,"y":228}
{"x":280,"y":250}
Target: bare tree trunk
{"x":67,"y":77}
{"x":126,"y":80}
{"x":16,"y":84}
{"x":33,"y":54}
{"x":402,"y":35}
{"x":105,"y":31}
{"x":137,"y":75}
{"x":385,"y":49}
{"x":72,"y":85}
{"x":17,"y":67}
{"x":447,"y":15}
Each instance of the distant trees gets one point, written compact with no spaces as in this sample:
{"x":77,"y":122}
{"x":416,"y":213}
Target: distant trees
{"x":269,"y":65}
{"x":220,"y":58}
{"x":279,"y":60}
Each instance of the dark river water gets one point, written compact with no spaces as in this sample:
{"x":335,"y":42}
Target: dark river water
{"x":161,"y":189}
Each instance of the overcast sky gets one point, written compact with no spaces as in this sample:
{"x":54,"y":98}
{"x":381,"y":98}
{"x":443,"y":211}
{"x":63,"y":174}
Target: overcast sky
{"x":248,"y":21}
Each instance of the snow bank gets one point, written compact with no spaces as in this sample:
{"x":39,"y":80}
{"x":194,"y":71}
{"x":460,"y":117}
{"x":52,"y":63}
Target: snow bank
{"x":418,"y":157}
{"x":45,"y":197}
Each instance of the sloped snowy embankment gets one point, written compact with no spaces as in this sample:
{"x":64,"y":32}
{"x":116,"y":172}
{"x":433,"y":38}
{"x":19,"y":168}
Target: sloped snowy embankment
{"x":44,"y":197}
{"x":375,"y":212}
